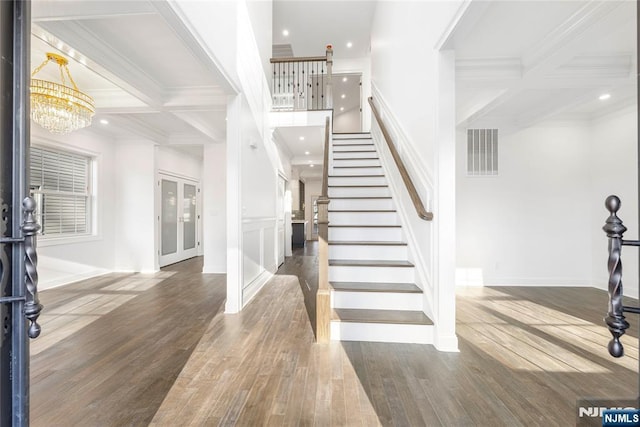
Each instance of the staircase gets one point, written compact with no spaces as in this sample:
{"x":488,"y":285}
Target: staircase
{"x":373,"y":292}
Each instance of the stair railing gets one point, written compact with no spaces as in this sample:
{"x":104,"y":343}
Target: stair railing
{"x":406,"y":178}
{"x":323,"y":296}
{"x":302,"y":83}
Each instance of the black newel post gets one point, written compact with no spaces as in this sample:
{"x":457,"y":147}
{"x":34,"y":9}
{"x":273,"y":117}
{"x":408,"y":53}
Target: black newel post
{"x":615,"y":319}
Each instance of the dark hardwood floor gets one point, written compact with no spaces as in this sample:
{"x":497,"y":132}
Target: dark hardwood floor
{"x":112,"y":347}
{"x":156,"y":349}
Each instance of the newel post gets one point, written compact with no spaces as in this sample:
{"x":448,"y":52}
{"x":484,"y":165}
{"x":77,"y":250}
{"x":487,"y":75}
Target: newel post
{"x":323,"y":297}
{"x":615,"y":319}
{"x":329,"y":105}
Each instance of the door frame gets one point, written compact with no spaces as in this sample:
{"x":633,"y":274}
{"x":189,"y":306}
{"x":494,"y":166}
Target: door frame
{"x":181,"y":180}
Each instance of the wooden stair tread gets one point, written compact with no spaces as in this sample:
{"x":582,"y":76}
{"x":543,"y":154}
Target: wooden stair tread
{"x":356,"y":176}
{"x":358,"y":186}
{"x":375,"y":287}
{"x":357,"y":158}
{"x":364,"y":226}
{"x":363,"y":210}
{"x":368,"y":263}
{"x":354,"y":151}
{"x":360,"y":197}
{"x":368,"y":144}
{"x":380,"y":316}
{"x":365,"y":243}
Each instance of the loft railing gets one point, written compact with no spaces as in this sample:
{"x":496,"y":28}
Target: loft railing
{"x":323,"y":296}
{"x":302,"y":83}
{"x":615,"y":318}
{"x":406,"y":178}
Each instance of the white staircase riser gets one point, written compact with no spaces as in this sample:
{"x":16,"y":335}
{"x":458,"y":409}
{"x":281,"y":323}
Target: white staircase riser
{"x":359,"y":192}
{"x":356,"y":162}
{"x":360,"y":204}
{"x":377,"y":300}
{"x":371,"y":274}
{"x":351,"y":171}
{"x":357,"y":180}
{"x":363,"y":218}
{"x":369,"y":252}
{"x":343,"y":148}
{"x":337,"y":155}
{"x":351,"y":139}
{"x":381,"y":332}
{"x":350,"y":234}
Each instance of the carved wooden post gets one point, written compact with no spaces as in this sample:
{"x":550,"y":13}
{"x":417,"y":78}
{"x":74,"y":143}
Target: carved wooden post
{"x":615,"y":319}
{"x":329,"y":105}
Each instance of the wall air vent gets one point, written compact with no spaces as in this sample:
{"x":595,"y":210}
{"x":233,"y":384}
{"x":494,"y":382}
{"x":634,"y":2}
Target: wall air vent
{"x":482,"y":152}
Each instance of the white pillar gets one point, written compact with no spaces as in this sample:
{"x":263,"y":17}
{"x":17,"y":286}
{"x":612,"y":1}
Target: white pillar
{"x":234,"y":205}
{"x":445,"y":209}
{"x":214,"y":208}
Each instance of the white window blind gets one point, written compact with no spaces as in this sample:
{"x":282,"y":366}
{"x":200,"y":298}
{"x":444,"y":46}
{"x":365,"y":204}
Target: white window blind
{"x":60,"y":183}
{"x":482,"y":151}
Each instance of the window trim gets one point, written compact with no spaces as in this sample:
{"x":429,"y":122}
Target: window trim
{"x":93,"y":217}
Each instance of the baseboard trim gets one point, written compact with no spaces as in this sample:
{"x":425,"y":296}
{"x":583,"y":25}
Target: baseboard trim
{"x":254,"y":287}
{"x":71,"y":278}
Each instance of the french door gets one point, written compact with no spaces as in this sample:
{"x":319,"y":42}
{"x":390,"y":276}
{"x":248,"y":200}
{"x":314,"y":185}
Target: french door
{"x":178,"y":219}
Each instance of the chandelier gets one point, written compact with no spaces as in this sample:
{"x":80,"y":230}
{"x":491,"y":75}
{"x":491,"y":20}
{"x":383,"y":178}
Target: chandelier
{"x":58,"y":107}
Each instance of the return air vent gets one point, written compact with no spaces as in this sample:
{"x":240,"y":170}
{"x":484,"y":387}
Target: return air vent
{"x":482,"y":152}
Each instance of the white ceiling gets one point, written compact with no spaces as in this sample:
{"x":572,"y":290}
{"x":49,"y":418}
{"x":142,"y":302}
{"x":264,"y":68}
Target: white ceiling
{"x":518,"y":63}
{"x":147,"y":74}
{"x":313,"y":24}
{"x":296,"y":142}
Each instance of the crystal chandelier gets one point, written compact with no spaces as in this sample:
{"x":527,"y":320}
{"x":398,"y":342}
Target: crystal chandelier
{"x":58,"y":107}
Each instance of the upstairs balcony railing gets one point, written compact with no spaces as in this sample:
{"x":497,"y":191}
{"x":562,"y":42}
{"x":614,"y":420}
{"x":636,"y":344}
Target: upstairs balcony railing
{"x":302,"y":83}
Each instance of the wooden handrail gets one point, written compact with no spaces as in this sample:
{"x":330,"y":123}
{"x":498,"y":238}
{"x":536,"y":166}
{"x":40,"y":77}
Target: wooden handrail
{"x":298,"y":59}
{"x":413,"y":193}
{"x":325,"y":162}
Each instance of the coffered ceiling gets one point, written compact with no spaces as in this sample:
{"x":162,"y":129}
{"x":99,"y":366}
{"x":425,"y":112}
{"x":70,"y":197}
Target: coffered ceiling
{"x":518,"y":63}
{"x":148,"y":75}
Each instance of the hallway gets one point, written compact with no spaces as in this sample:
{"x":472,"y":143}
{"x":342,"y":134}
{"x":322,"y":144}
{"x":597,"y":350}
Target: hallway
{"x":167,"y":356}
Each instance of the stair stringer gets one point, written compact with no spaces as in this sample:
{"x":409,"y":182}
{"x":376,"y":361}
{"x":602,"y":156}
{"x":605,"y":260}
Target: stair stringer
{"x":423,"y":271}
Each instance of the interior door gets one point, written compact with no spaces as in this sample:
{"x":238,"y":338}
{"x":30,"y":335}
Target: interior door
{"x":178,"y":219}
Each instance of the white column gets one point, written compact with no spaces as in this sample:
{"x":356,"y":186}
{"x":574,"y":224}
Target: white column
{"x":214,"y":208}
{"x":445,"y":209}
{"x":234,"y":205}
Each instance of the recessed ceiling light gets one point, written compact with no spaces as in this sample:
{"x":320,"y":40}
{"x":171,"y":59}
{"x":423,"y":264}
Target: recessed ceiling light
{"x":341,"y":108}
{"x":302,"y":138}
{"x":604,"y":97}
{"x":349,"y":44}
{"x":307,"y":153}
{"x":308,"y":161}
{"x":344,"y":79}
{"x":104,"y":121}
{"x":285,"y":33}
{"x":311,"y":166}
{"x":343,"y":96}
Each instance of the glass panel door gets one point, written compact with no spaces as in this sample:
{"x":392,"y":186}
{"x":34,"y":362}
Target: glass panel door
{"x":189,"y":216}
{"x":178,"y":220}
{"x":169,"y":224}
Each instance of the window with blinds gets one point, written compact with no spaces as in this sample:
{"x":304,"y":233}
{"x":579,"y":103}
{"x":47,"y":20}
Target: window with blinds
{"x":60,"y":183}
{"x":482,"y":152}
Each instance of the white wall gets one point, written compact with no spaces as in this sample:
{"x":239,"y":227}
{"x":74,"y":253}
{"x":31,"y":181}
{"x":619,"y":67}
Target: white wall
{"x":613,"y":165}
{"x":358,"y":66}
{"x":530,"y":224}
{"x":63,"y":261}
{"x":136,"y":238}
{"x":540,"y":221}
{"x":404,"y":65}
